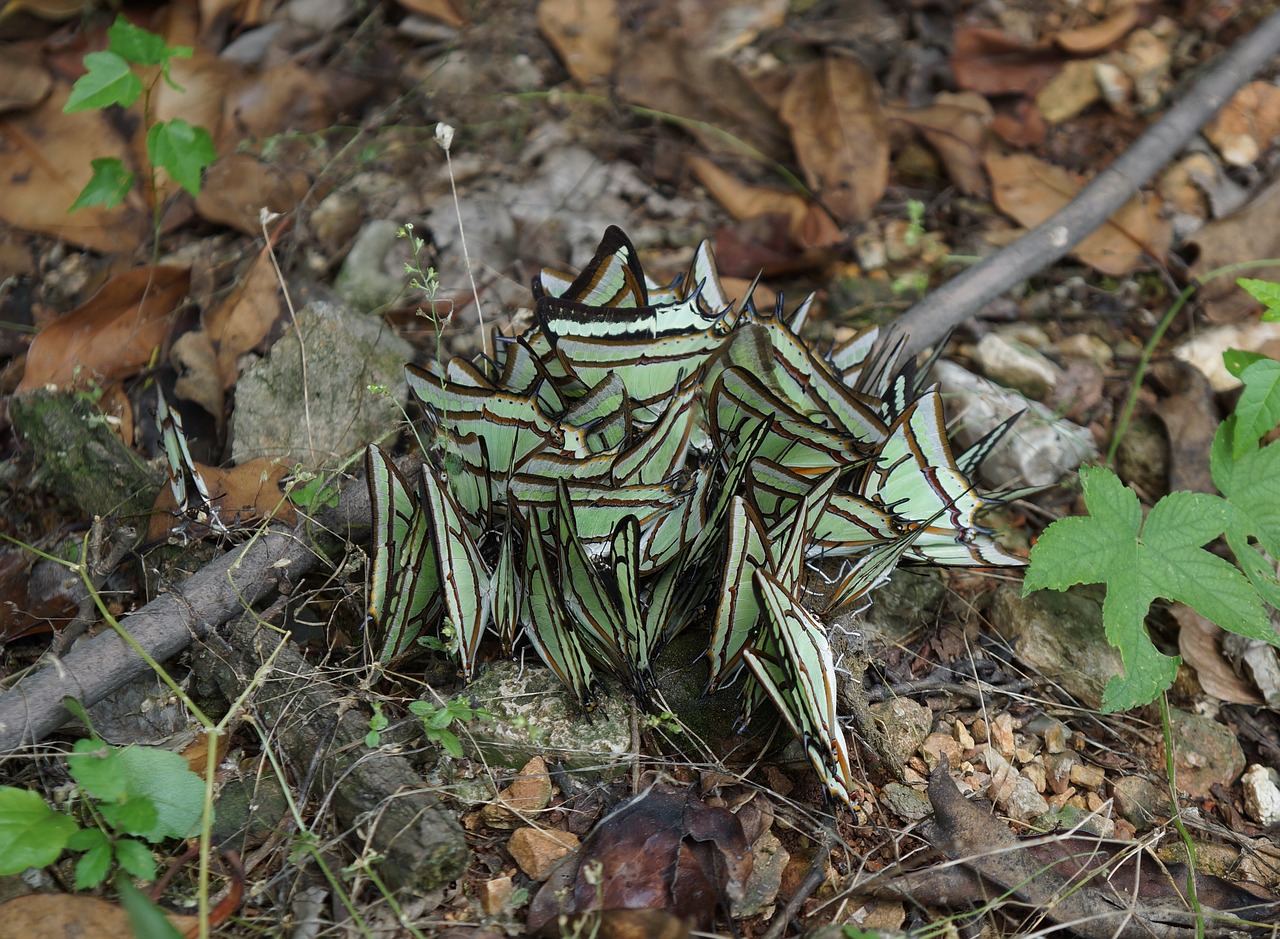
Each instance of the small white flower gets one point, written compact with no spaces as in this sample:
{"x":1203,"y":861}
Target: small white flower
{"x":444,"y":135}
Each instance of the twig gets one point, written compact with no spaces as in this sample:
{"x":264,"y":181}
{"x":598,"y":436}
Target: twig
{"x":33,"y":708}
{"x":960,"y":298}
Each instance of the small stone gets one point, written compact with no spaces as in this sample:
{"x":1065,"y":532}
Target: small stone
{"x":373,"y":274}
{"x":1205,"y":753}
{"x":963,"y":737}
{"x":905,"y":724}
{"x":1015,"y":365}
{"x":1002,"y":734}
{"x":538,"y":850}
{"x":1088,"y":777}
{"x":761,"y":889}
{"x":905,"y":802}
{"x":494,"y":894}
{"x":1139,"y":801}
{"x":1035,"y":773}
{"x":1057,"y":768}
{"x":937,"y":744}
{"x":1022,"y":755}
{"x":1055,"y":737}
{"x":528,"y":793}
{"x":1261,"y":795}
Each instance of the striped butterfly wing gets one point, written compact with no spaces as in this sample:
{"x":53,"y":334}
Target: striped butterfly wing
{"x":612,"y":278}
{"x":404,"y":589}
{"x":795,"y":666}
{"x":464,"y":579}
{"x":546,"y":627}
{"x":183,"y":472}
{"x":738,"y":613}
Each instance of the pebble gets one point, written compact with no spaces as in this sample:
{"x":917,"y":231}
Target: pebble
{"x":1088,"y":777}
{"x":538,"y":851}
{"x":1139,"y":801}
{"x":1261,"y":795}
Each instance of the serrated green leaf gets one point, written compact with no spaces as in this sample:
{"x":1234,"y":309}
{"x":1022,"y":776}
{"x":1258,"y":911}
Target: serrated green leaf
{"x":93,"y":865}
{"x":132,"y":814}
{"x":107,"y":187}
{"x":136,"y":858}
{"x":164,"y":779}
{"x":31,"y":833}
{"x":449,"y":740}
{"x":182,"y":151}
{"x":1258,"y":410}
{"x":1140,"y":562}
{"x":137,"y":45}
{"x":87,"y":839}
{"x":1266,"y":293}
{"x":1237,"y":360}
{"x":107,"y":81}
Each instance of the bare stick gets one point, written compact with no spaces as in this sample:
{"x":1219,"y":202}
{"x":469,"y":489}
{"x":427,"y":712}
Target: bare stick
{"x":33,"y":709}
{"x":961,"y":297}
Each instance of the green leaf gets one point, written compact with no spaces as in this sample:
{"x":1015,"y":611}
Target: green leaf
{"x":95,"y":767}
{"x":1258,"y":410}
{"x":164,"y":779}
{"x":1237,"y":360}
{"x":31,"y":833}
{"x":107,"y":81}
{"x":138,"y":45}
{"x":182,"y":151}
{"x":136,"y":858}
{"x":1266,"y":293}
{"x":1138,"y":562}
{"x":107,"y":187}
{"x":147,"y":920}
{"x":449,"y":740}
{"x":132,"y":814}
{"x":93,"y":865}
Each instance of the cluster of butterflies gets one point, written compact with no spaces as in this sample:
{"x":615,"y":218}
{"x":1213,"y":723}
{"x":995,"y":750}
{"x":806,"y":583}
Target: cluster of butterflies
{"x":648,"y":458}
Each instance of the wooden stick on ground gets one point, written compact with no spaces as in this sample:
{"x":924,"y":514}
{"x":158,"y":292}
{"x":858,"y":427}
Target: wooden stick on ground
{"x":932,"y":318}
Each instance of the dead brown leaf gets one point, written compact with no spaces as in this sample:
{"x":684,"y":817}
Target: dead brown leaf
{"x":1031,"y":190}
{"x":808,"y":224}
{"x":584,"y":34}
{"x":44,"y":157}
{"x":1247,"y":124}
{"x":955,"y":125}
{"x":112,"y":335}
{"x":841,"y":139}
{"x":24,"y":80}
{"x":238,"y":186}
{"x":1100,"y":36}
{"x":54,"y":915}
{"x":244,"y":320}
{"x":242,"y":495}
{"x":992,"y":62}
{"x":446,"y":11}
{"x":1199,"y":643}
{"x":1251,"y":234}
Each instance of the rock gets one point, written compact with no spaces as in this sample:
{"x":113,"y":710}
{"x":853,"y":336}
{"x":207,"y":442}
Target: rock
{"x":528,"y":793}
{"x":1015,"y":365}
{"x":1059,"y":635}
{"x":1039,"y":450}
{"x":905,"y":802}
{"x":534,"y":715}
{"x":761,"y":889}
{"x":345,"y":354}
{"x":373,"y":274}
{"x":905,"y":723}
{"x":1262,"y":795}
{"x":936,"y":745}
{"x":538,"y":850}
{"x":1205,"y":754}
{"x":494,"y":894}
{"x":1088,"y":777}
{"x":1205,"y":349}
{"x":1142,"y":459}
{"x":681,"y":673}
{"x":902,"y":604}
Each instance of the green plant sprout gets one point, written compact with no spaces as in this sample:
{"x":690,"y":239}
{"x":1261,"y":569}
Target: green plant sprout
{"x":1164,"y":556}
{"x":132,"y":795}
{"x":377,"y":724}
{"x":436,"y":720}
{"x":179,"y":148}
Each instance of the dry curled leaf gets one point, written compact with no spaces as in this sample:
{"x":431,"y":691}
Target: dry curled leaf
{"x":63,"y":916}
{"x":840,"y":136}
{"x":238,"y":186}
{"x":1100,"y":36}
{"x":585,"y":35}
{"x":112,"y":335}
{"x":955,"y":125}
{"x":1031,"y":190}
{"x":808,"y":224}
{"x":992,"y":62}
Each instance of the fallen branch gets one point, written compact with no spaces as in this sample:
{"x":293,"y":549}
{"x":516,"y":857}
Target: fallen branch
{"x":220,"y":591}
{"x":931,"y":319}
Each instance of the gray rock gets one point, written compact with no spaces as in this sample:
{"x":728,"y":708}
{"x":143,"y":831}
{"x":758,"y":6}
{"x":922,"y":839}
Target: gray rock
{"x":905,"y":724}
{"x":1059,"y":635}
{"x":1140,"y":802}
{"x":534,"y":715}
{"x":345,"y":354}
{"x":1015,"y":364}
{"x":761,"y":890}
{"x":905,"y":802}
{"x":1262,"y":795}
{"x":1039,"y":450}
{"x":373,"y":274}
{"x":1205,"y":753}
